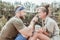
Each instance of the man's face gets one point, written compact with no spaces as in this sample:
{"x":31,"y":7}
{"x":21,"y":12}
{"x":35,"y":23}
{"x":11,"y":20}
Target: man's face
{"x":41,"y":14}
{"x":22,"y":14}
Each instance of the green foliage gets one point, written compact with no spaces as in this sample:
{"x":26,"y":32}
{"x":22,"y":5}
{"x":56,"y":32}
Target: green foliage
{"x":7,"y":10}
{"x":3,"y":20}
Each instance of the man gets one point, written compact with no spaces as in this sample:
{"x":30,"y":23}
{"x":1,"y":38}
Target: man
{"x":15,"y":26}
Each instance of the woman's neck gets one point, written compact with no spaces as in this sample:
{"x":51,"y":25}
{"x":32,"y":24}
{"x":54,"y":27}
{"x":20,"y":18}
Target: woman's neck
{"x":44,"y":18}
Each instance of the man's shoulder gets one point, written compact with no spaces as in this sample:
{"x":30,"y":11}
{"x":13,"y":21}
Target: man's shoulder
{"x":15,"y":20}
{"x":11,"y":20}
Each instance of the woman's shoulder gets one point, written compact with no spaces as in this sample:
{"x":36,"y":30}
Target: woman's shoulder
{"x":51,"y":20}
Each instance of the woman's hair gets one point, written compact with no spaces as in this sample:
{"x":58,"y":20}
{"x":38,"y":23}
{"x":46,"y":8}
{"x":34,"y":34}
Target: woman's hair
{"x":45,"y":9}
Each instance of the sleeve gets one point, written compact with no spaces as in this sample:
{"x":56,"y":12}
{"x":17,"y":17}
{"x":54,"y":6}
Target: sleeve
{"x":49,"y":28}
{"x":56,"y":29}
{"x":18,"y":24}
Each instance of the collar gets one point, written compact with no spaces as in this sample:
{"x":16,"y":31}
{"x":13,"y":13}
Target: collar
{"x":46,"y":19}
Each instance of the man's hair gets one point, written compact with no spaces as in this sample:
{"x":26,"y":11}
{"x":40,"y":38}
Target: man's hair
{"x":19,"y":8}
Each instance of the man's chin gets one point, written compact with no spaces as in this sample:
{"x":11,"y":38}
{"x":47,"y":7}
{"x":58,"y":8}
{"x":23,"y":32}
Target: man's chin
{"x":22,"y":17}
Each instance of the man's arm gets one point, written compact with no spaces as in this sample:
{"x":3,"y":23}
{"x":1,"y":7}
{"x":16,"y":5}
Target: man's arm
{"x":33,"y":21}
{"x":21,"y":28}
{"x":29,"y":30}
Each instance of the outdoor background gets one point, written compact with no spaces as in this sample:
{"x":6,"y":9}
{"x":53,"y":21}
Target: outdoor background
{"x":7,"y":9}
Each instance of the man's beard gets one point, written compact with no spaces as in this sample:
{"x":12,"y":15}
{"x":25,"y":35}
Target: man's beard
{"x":22,"y":17}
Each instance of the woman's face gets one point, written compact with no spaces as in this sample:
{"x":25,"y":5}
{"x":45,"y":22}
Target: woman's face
{"x":41,"y":14}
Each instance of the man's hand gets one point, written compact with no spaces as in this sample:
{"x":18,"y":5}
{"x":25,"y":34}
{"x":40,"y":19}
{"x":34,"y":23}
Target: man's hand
{"x":35,"y":19}
{"x":40,"y":30}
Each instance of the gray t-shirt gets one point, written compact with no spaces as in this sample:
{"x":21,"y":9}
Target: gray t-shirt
{"x":52,"y":28}
{"x":11,"y":28}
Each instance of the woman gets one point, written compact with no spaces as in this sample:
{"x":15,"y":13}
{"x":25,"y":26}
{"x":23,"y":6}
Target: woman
{"x":50,"y":30}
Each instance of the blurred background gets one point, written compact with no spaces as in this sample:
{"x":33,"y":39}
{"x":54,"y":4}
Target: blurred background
{"x":7,"y":9}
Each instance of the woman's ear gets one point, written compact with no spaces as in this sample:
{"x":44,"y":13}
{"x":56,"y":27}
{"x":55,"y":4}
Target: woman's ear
{"x":45,"y":13}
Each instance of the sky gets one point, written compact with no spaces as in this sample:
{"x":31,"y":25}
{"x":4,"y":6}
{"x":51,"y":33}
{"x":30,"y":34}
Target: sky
{"x":33,"y":1}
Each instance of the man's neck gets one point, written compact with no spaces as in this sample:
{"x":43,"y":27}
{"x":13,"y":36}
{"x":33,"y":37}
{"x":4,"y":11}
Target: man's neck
{"x":17,"y":16}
